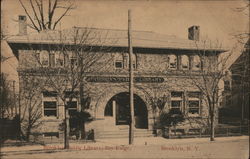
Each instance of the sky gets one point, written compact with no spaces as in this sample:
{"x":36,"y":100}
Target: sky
{"x":218,"y":19}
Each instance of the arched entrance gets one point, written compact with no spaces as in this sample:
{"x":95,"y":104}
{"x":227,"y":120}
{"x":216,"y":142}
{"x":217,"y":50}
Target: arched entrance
{"x":118,"y":107}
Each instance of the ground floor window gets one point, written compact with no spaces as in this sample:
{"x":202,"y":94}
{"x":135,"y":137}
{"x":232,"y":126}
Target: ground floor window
{"x":176,"y":101}
{"x":194,"y":103}
{"x":72,"y":107}
{"x":50,"y":108}
{"x":51,"y":134}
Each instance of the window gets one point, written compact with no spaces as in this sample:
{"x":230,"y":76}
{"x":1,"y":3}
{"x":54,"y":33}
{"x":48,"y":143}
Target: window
{"x":59,"y":59}
{"x":44,"y":58}
{"x":194,"y":103}
{"x":72,"y":59}
{"x":51,"y":134}
{"x":172,"y":62}
{"x":50,"y":108}
{"x":50,"y":103}
{"x":72,"y":107}
{"x":49,"y":94}
{"x":227,"y":85}
{"x":118,"y":64}
{"x":196,"y":63}
{"x":176,"y":101}
{"x":184,"y":62}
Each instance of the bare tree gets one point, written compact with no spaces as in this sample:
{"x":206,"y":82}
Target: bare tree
{"x":31,"y":112}
{"x":211,"y":67}
{"x":72,"y":55}
{"x":45,"y":15}
{"x":7,"y":102}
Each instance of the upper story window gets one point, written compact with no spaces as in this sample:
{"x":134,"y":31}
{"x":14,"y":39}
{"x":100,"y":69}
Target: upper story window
{"x":59,"y":59}
{"x":196,"y":63}
{"x":176,"y":101}
{"x":44,"y":58}
{"x":73,"y":58}
{"x":172,"y":62}
{"x":184,"y":62}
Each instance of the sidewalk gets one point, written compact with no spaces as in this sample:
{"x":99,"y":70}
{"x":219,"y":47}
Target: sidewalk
{"x":147,"y":141}
{"x":164,"y":141}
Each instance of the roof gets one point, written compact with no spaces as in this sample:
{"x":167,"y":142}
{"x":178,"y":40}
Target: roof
{"x":112,"y":37}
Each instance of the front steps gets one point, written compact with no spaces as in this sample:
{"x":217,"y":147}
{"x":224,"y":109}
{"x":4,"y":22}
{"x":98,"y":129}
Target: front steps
{"x":122,"y":133}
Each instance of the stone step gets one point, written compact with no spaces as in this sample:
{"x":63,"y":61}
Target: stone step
{"x":123,"y":134}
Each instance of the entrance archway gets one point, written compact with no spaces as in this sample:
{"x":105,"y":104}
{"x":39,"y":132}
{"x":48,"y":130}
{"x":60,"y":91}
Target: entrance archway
{"x":118,"y":106}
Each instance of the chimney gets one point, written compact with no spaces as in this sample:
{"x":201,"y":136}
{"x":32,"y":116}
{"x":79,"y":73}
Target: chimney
{"x":22,"y":25}
{"x":194,"y":33}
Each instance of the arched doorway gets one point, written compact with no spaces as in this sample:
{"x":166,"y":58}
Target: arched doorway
{"x":120,"y":105}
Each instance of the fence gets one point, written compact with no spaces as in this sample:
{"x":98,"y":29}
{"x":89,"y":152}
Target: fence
{"x":202,"y":132}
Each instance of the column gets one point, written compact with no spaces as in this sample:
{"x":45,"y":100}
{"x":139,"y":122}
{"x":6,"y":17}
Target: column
{"x":114,"y":110}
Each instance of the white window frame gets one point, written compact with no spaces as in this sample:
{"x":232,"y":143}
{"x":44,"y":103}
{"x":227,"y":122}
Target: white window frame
{"x":49,"y":99}
{"x":177,"y":99}
{"x":194,"y":99}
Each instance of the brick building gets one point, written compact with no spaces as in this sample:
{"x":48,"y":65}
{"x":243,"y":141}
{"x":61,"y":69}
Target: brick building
{"x":161,"y":65}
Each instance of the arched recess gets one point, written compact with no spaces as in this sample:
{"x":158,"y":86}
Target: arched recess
{"x":119,"y":107}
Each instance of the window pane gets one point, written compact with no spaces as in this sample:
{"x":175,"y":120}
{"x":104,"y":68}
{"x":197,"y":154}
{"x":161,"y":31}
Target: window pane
{"x":72,"y":112}
{"x":194,"y":94}
{"x":176,"y":94}
{"x":49,"y":94}
{"x":49,"y":105}
{"x":118,"y":64}
{"x":72,"y":104}
{"x":51,"y":134}
{"x":176,"y":104}
{"x":49,"y":112}
{"x":194,"y":104}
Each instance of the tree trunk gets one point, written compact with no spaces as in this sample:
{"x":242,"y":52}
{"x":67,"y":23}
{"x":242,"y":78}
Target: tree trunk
{"x":66,"y":130}
{"x":83,"y":135}
{"x":212,"y":128}
{"x":28,"y":134}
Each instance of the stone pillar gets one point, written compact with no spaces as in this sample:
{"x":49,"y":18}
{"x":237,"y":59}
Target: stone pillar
{"x":114,"y":110}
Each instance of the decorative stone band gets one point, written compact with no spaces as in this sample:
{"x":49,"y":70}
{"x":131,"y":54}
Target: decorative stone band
{"x":104,"y":79}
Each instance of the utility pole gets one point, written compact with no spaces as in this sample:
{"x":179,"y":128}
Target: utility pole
{"x":131,"y":84}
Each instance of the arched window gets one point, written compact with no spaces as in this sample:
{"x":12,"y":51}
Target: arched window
{"x":184,"y":62}
{"x":44,"y":58}
{"x":196,"y":63}
{"x":172,"y":62}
